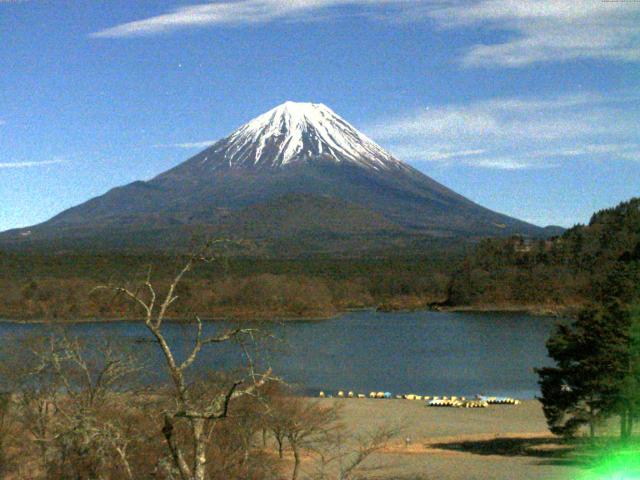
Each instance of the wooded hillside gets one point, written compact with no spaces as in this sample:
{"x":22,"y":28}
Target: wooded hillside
{"x":566,"y":271}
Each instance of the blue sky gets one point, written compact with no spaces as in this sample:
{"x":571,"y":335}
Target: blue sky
{"x":531,"y":108}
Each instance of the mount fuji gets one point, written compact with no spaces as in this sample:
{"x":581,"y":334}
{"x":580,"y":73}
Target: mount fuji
{"x":297,"y":175}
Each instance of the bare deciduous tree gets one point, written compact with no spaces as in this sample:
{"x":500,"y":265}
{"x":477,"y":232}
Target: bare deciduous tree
{"x":63,"y":388}
{"x":303,"y":423}
{"x":342,"y":453}
{"x":199,"y":415}
{"x":32,"y":377}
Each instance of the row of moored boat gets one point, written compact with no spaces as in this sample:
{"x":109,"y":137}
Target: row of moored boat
{"x":479,"y":401}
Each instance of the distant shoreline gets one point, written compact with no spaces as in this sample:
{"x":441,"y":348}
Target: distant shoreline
{"x":534,"y":310}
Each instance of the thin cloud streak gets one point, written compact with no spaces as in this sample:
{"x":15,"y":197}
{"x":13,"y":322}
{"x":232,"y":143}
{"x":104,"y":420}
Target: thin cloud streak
{"x":30,"y":164}
{"x":244,"y":12}
{"x":434,"y":154}
{"x":187,"y":145}
{"x":515,"y":133}
{"x":471,"y":158}
{"x":505,"y":163}
{"x":437,"y":155}
{"x":623,"y":150}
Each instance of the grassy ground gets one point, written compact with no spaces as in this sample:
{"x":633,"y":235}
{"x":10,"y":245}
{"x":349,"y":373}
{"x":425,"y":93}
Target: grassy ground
{"x":500,"y":442}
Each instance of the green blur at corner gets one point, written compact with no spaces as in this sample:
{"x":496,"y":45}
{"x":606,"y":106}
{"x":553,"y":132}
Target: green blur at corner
{"x":623,"y":464}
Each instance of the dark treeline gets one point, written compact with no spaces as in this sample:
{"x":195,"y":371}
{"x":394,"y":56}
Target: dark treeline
{"x":561,"y":273}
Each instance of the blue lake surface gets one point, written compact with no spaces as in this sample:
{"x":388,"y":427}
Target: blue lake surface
{"x":428,"y":353}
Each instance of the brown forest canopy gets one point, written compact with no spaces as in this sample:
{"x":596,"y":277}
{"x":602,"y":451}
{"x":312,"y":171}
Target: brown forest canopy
{"x":557,"y":274}
{"x":58,"y":286}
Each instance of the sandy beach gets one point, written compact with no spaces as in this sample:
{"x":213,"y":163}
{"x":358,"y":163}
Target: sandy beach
{"x":499,"y":442}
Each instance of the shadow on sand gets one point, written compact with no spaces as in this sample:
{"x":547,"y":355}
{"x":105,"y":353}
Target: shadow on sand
{"x":549,"y":450}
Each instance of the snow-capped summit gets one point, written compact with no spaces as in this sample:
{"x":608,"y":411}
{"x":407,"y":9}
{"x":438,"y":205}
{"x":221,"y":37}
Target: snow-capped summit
{"x":300,"y":132}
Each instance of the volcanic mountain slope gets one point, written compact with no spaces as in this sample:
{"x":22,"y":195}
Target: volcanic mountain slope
{"x":298,"y":169}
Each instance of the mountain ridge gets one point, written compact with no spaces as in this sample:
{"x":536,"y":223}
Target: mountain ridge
{"x":302,"y":151}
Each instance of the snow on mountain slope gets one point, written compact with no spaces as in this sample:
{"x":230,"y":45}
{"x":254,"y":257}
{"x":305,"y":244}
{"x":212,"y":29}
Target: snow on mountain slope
{"x":299,"y":132}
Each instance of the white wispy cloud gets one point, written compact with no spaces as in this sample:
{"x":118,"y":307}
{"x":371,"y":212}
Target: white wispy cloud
{"x":624,"y":150}
{"x":187,"y":145}
{"x":502,"y":163}
{"x":545,"y":30}
{"x":30,"y":164}
{"x":241,"y":12}
{"x":547,"y":118}
{"x":431,"y":153}
{"x":445,"y":155}
{"x":516,"y":133}
{"x":536,"y":30}
{"x":633,"y":156}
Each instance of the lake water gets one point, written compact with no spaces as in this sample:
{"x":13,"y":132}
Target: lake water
{"x":428,"y":353}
